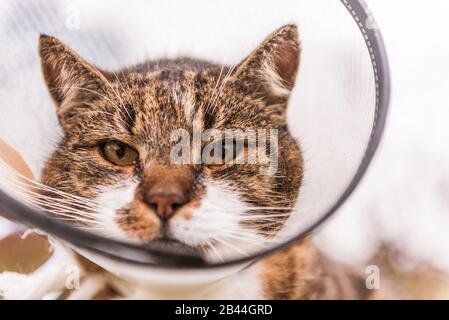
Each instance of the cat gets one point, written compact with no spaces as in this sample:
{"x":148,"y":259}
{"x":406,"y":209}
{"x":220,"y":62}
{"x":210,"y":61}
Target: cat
{"x":114,"y":168}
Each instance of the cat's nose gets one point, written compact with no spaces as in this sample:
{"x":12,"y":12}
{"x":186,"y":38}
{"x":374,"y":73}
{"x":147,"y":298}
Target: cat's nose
{"x":165,"y":204}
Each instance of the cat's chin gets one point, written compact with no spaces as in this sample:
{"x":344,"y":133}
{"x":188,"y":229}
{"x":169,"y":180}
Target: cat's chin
{"x":172,"y":246}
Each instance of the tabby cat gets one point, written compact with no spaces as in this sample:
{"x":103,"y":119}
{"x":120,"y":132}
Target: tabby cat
{"x":114,"y":171}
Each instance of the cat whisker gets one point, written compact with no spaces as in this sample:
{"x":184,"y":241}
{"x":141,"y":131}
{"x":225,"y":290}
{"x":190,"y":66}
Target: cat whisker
{"x":50,"y":204}
{"x":60,"y":201}
{"x":118,"y":96}
{"x":265,"y":216}
{"x":215,"y":251}
{"x":220,"y":90}
{"x":73,"y":217}
{"x":261,"y":226}
{"x":56,"y":208}
{"x":270,"y":208}
{"x":251,"y":240}
{"x":247,"y":236}
{"x":62,"y":211}
{"x":37,"y":185}
{"x":27,"y":190}
{"x":230,"y":246}
{"x":214,"y":90}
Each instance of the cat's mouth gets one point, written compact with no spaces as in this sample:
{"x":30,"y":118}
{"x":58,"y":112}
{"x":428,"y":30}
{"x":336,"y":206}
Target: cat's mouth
{"x":172,"y":245}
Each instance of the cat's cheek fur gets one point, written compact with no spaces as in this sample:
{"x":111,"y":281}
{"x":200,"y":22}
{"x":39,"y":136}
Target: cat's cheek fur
{"x":216,"y":224}
{"x":110,"y":199}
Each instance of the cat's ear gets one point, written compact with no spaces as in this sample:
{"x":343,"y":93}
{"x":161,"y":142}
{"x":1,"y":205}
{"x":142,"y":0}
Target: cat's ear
{"x":271,"y":68}
{"x":72,"y":82}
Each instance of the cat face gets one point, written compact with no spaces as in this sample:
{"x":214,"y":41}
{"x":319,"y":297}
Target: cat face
{"x":155,"y":153}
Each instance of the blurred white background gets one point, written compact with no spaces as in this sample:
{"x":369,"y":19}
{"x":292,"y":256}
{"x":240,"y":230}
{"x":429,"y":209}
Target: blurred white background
{"x":404,"y":198}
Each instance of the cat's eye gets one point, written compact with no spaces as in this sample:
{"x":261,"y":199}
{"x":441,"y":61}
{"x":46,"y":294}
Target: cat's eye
{"x":119,"y":153}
